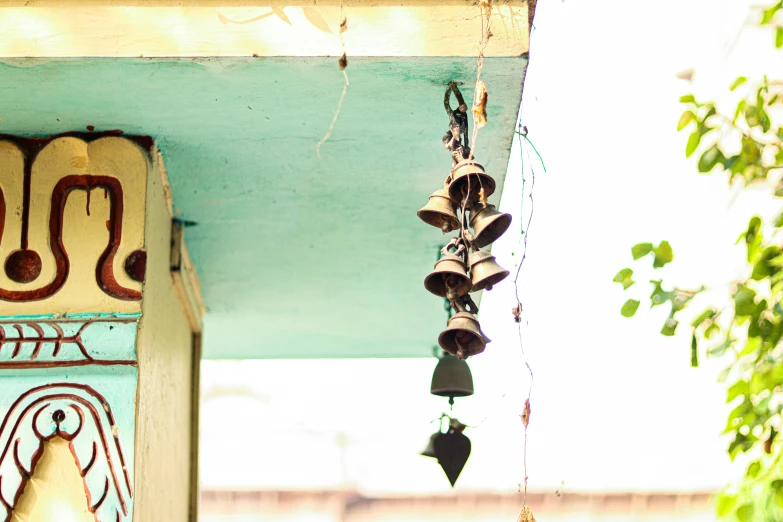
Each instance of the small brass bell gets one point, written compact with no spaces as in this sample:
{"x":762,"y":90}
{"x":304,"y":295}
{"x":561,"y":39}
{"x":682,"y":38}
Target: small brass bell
{"x":467,"y":180}
{"x":429,"y":449}
{"x":484,"y":271}
{"x":452,"y":378}
{"x":463,"y":336}
{"x":488,"y":224}
{"x":450,"y":278}
{"x":440,"y":211}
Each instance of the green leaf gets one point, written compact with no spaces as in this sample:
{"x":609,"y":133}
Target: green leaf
{"x":756,"y":384}
{"x":735,"y":390}
{"x":779,"y":220}
{"x":669,"y":327}
{"x":688,"y":98}
{"x":767,"y":263}
{"x":740,"y":109}
{"x":694,"y":352}
{"x":725,"y":504}
{"x":754,"y":225}
{"x":721,"y":348}
{"x":663,"y":254}
{"x":760,"y":270}
{"x":687,"y":117}
{"x":769,"y":14}
{"x":659,"y":295}
{"x":629,"y":308}
{"x":752,"y":116}
{"x":710,"y":158}
{"x":751,"y":152}
{"x":693,"y":143}
{"x":764,"y":120}
{"x":753,"y":469}
{"x":709,"y":313}
{"x":625,"y":278}
{"x":711,"y":330}
{"x":712,"y":111}
{"x":779,"y":497}
{"x":744,"y":301}
{"x":753,"y":237}
{"x":641,"y":250}
{"x":739,"y":81}
{"x":779,"y":37}
{"x":745,"y":513}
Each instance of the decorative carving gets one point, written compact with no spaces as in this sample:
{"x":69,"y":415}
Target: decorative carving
{"x":38,"y":180}
{"x":83,"y":417}
{"x":23,"y":266}
{"x":136,"y":265}
{"x":49,"y":344}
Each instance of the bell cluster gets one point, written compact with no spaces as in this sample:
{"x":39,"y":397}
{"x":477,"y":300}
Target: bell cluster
{"x":463,"y":267}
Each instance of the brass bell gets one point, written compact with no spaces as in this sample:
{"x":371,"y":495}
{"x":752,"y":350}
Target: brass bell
{"x":452,"y":378}
{"x":463,"y":336}
{"x":488,"y":224}
{"x":450,"y":278}
{"x":467,"y":180}
{"x":429,"y":449}
{"x":484,"y":271}
{"x":440,"y":211}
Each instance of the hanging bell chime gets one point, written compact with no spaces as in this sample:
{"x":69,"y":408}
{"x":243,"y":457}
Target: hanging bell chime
{"x":484,"y":271}
{"x":450,"y":278}
{"x":468,"y":179}
{"x":452,"y":450}
{"x":488,"y":224}
{"x":440,"y":211}
{"x":429,"y":449}
{"x":451,"y":378}
{"x":455,"y":275}
{"x":463,"y":336}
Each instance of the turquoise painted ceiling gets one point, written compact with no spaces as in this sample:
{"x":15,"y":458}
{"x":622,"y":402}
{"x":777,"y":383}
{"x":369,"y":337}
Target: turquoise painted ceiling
{"x":298,"y":256}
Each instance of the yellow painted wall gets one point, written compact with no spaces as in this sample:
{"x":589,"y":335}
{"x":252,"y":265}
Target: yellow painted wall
{"x":163,"y":418}
{"x":389,"y":28}
{"x":55,"y":493}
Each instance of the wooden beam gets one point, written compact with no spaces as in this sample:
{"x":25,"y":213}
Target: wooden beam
{"x":162,"y":28}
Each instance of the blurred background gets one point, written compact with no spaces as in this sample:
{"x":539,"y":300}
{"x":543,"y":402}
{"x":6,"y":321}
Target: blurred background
{"x":622,"y":428}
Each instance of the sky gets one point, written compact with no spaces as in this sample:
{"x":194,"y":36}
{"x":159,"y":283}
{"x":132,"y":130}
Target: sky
{"x":615,"y":406}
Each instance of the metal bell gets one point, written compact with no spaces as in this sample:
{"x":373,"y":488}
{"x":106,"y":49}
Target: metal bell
{"x":429,"y":449}
{"x":452,"y":450}
{"x":452,"y":378}
{"x":440,"y":211}
{"x":488,"y":224}
{"x":484,"y":271}
{"x":467,"y":180}
{"x":463,"y":336}
{"x":450,"y":278}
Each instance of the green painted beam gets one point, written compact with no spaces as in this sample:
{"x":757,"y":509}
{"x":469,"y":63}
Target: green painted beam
{"x":299,"y":256}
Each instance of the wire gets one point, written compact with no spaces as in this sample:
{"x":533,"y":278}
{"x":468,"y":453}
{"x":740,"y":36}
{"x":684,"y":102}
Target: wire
{"x":524,"y":135}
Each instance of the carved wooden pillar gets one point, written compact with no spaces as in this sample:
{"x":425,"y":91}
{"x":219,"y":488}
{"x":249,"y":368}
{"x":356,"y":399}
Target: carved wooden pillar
{"x":97,"y":339}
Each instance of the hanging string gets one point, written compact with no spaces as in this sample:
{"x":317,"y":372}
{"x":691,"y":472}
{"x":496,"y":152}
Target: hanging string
{"x":343,"y":64}
{"x":518,"y":310}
